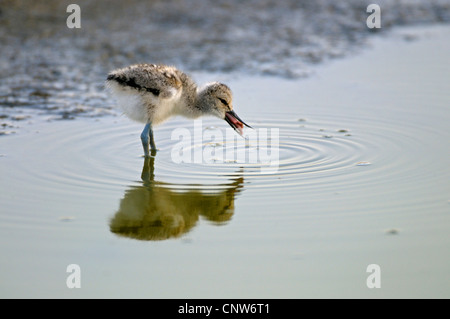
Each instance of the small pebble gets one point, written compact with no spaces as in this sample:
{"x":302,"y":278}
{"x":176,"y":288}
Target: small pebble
{"x":392,"y":231}
{"x":19,"y":117}
{"x":6,"y":132}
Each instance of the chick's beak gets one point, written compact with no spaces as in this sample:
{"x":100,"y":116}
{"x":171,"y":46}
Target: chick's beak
{"x":235,"y":122}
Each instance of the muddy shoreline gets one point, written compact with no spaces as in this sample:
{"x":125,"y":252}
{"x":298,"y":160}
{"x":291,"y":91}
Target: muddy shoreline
{"x":51,"y":70}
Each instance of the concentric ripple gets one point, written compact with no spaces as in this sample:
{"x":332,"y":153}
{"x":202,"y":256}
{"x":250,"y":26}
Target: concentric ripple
{"x":282,"y":148}
{"x":303,"y":153}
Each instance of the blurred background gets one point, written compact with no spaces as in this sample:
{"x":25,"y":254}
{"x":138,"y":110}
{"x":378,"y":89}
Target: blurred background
{"x":43,"y":63}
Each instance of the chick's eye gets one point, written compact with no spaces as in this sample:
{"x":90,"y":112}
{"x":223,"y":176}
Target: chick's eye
{"x":223,"y":101}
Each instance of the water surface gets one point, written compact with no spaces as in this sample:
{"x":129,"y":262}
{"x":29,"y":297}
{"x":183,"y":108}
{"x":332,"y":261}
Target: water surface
{"x":362,"y":179}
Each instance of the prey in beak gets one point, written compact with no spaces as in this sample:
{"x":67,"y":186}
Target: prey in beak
{"x":235,"y":122}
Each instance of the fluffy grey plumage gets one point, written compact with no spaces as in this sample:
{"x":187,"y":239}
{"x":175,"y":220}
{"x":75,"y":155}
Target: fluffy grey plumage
{"x":151,"y":93}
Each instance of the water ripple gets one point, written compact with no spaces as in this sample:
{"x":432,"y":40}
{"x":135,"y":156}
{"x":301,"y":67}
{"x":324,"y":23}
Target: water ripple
{"x":320,"y":152}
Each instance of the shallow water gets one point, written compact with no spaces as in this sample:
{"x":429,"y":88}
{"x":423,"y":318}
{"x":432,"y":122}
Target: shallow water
{"x":362,"y":179}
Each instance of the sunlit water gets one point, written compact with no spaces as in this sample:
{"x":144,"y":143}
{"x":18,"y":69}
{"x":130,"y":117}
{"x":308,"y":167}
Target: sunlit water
{"x":361,"y":178}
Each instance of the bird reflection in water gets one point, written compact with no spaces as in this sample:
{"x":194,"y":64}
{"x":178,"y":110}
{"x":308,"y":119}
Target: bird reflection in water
{"x":158,"y":211}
